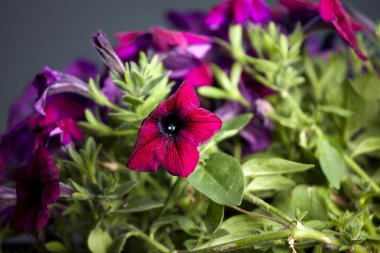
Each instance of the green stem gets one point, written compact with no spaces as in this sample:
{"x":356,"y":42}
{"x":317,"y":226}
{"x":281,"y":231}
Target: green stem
{"x":302,"y":232}
{"x":361,"y":173}
{"x":259,"y":215}
{"x":249,"y":242}
{"x":138,"y":233}
{"x":173,"y":190}
{"x":299,"y":232}
{"x":257,"y":201}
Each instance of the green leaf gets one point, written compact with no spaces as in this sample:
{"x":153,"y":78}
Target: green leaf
{"x":124,"y":188}
{"x":222,"y":78}
{"x":56,"y":247}
{"x":98,"y":240}
{"x":235,"y":34}
{"x":331,"y":161}
{"x":272,"y":166}
{"x":232,"y":126}
{"x":263,"y":65}
{"x":266,"y":183}
{"x":182,"y":222}
{"x":133,"y":100}
{"x":367,"y":86}
{"x":367,"y":145}
{"x":283,"y":46}
{"x":336,"y":110}
{"x":138,"y":204}
{"x":237,"y":226}
{"x":221,"y":179}
{"x":212,"y":92}
{"x":235,"y":74}
{"x":118,"y":244}
{"x":214,"y":216}
{"x":310,"y":199}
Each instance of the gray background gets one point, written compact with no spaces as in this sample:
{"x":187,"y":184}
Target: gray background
{"x":35,"y":33}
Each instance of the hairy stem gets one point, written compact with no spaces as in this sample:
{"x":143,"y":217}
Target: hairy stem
{"x":262,"y":216}
{"x":269,"y":208}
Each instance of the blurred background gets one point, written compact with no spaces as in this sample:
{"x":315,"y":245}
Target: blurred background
{"x":54,"y":33}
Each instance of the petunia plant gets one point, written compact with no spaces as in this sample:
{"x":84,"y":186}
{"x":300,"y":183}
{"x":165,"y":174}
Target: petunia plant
{"x":250,"y":129}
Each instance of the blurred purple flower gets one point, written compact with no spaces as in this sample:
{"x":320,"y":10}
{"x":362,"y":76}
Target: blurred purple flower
{"x":257,"y":134}
{"x":49,"y":107}
{"x":193,"y":21}
{"x":7,"y":204}
{"x":82,"y":69}
{"x":182,"y":53}
{"x":37,"y":186}
{"x":111,"y":91}
{"x":16,"y":147}
{"x":238,"y":12}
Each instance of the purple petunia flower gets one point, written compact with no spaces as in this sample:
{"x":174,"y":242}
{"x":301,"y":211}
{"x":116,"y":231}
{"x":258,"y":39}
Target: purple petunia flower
{"x":239,"y":11}
{"x":37,"y":186}
{"x":49,"y":108}
{"x":331,"y":11}
{"x":257,"y":134}
{"x":61,"y":102}
{"x":170,"y":135}
{"x":182,"y":53}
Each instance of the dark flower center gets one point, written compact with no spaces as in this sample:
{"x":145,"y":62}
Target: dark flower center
{"x":170,"y":124}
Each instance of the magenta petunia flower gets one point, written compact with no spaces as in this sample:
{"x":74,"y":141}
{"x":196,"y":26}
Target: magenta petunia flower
{"x":170,"y":135}
{"x":240,"y":11}
{"x":37,"y":186}
{"x":332,"y":11}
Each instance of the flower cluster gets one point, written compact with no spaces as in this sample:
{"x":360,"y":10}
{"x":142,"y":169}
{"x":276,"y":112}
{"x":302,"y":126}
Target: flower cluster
{"x":208,"y":103}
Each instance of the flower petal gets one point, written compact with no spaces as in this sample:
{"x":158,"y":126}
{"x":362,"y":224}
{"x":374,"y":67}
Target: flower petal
{"x":200,"y":76}
{"x":42,"y":164}
{"x":82,"y":69}
{"x":149,"y":140}
{"x":165,"y":39}
{"x":183,"y":100}
{"x":69,"y":131}
{"x":260,"y":11}
{"x":179,"y":157}
{"x":240,"y":10}
{"x":218,"y":15}
{"x":326,"y":10}
{"x":200,"y":125}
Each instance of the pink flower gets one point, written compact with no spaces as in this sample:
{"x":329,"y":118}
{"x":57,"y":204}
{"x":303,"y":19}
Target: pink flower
{"x":240,"y":11}
{"x":37,"y":186}
{"x":170,"y":135}
{"x":182,"y":53}
{"x":332,"y":11}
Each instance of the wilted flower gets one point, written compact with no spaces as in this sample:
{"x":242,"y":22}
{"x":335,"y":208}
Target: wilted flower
{"x":105,"y":50}
{"x":170,"y":135}
{"x":37,"y":186}
{"x":240,"y":11}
